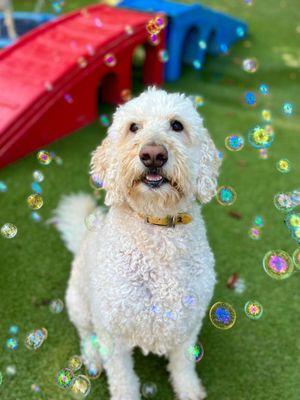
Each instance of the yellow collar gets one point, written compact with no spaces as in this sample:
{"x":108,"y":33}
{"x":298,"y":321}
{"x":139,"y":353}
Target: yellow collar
{"x":169,"y":220}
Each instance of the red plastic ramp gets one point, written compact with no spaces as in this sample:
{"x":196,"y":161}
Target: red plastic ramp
{"x":49,"y":80}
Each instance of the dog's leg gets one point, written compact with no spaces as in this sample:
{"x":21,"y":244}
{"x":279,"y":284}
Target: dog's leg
{"x":187,"y":385}
{"x":123,"y":382}
{"x":79,"y":314}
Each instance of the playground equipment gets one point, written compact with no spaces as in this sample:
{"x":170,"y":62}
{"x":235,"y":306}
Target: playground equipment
{"x":51,"y":78}
{"x":193,"y":31}
{"x":7,"y":19}
{"x":23,"y":22}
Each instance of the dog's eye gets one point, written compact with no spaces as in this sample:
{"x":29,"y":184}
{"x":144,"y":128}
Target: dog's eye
{"x":176,"y":126}
{"x":134,"y":127}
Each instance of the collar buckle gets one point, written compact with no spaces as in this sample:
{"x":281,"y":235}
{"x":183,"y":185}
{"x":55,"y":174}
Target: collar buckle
{"x":171,"y":221}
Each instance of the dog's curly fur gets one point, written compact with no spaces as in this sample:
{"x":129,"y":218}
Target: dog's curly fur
{"x":128,"y":277}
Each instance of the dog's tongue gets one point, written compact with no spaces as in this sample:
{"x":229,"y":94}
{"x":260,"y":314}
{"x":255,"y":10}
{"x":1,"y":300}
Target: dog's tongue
{"x":153,"y":177}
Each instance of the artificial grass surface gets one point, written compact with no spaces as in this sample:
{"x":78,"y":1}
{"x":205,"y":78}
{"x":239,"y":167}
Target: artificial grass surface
{"x":255,"y":359}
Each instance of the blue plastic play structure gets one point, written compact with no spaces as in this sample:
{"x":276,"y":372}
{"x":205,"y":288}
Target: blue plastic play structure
{"x":193,"y":31}
{"x":24,"y":22}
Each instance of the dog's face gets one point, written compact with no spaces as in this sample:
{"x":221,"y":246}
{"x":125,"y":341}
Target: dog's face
{"x":157,"y":157}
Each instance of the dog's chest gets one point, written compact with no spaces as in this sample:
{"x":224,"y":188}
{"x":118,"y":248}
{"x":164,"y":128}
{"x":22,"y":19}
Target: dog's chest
{"x":144,"y":281}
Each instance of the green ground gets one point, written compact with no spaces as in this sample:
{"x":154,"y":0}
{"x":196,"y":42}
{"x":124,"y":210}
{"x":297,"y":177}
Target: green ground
{"x":254,"y":360}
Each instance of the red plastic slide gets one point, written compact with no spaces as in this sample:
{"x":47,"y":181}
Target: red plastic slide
{"x":49,"y":80}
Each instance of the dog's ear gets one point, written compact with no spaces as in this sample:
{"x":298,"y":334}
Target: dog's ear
{"x":208,"y":171}
{"x":99,"y":161}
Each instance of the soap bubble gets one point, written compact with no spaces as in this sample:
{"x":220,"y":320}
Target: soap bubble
{"x":170,"y":315}
{"x":234,"y":142}
{"x":253,"y":309}
{"x":197,"y":64}
{"x":202,"y":44}
{"x":57,"y":6}
{"x":35,"y":186}
{"x":38,"y":176}
{"x":49,"y":87}
{"x":35,"y":216}
{"x":190,"y":300}
{"x":222,"y":315}
{"x":278,"y":264}
{"x":250,"y":65}
{"x":126,"y":94}
{"x":56,"y":306}
{"x":44,"y":157}
{"x":154,"y":40}
{"x":163,"y":56}
{"x":35,"y":388}
{"x":92,"y":222}
{"x":35,"y":201}
{"x":95,"y":182}
{"x":129,"y":30}
{"x":13,"y":330}
{"x":110,"y":60}
{"x":104,"y":344}
{"x":283,"y":165}
{"x":240,"y":31}
{"x":263,"y":153}
{"x":81,"y":387}
{"x":264,"y":89}
{"x":224,"y":48}
{"x":75,"y":363}
{"x":195,"y":353}
{"x":11,"y":370}
{"x":152,"y":27}
{"x":149,"y":390}
{"x":198,"y":100}
{"x":65,"y":378}
{"x":36,"y":338}
{"x":292,"y":220}
{"x":12,"y":343}
{"x":296,"y":258}
{"x":266,"y":115}
{"x":288,"y":108}
{"x":82,"y":62}
{"x":8,"y":230}
{"x":226,"y":195}
{"x":3,"y":187}
{"x":93,"y":371}
{"x":250,"y":98}
{"x":161,"y":21}
{"x":258,"y":221}
{"x":284,"y":202}
{"x":104,"y":120}
{"x":260,"y":138}
{"x":68,"y":98}
{"x":254,"y":233}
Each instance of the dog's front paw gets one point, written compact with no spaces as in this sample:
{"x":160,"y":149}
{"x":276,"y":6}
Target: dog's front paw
{"x":189,"y":388}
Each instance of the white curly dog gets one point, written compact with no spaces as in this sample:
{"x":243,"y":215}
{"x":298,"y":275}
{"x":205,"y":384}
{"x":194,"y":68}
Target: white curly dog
{"x":138,"y":265}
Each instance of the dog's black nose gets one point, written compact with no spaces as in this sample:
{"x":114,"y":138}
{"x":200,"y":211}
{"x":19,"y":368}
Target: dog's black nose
{"x":153,"y":155}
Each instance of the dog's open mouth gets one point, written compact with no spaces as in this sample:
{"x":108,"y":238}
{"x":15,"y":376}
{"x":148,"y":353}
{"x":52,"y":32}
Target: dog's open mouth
{"x":154,"y":179}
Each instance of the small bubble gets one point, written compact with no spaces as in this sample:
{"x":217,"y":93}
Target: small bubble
{"x":288,"y":108}
{"x":12,"y":343}
{"x":35,"y":201}
{"x":250,"y":65}
{"x":163,"y":56}
{"x":149,"y":390}
{"x":44,"y":157}
{"x":110,"y":60}
{"x":9,"y":231}
{"x":226,"y":195}
{"x":253,"y":309}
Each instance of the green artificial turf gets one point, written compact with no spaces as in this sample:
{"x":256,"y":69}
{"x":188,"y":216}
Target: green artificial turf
{"x":255,"y":359}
